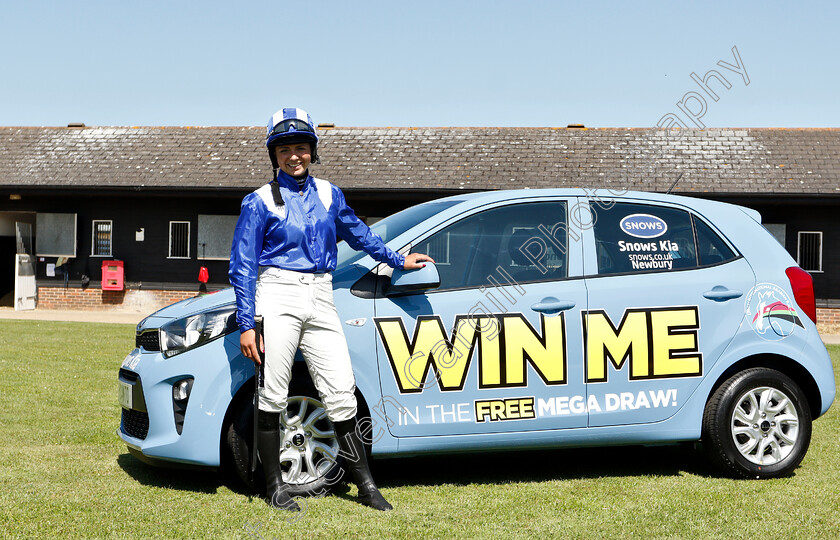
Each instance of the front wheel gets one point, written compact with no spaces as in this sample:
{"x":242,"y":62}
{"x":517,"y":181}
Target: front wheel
{"x":308,"y":450}
{"x":757,"y":424}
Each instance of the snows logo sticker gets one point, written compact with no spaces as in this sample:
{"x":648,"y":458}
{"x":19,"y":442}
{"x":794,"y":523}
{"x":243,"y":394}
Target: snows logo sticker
{"x":643,"y":226}
{"x":770,"y":312}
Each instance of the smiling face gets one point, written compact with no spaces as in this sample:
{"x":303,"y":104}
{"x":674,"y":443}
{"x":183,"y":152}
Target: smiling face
{"x":293,"y":159}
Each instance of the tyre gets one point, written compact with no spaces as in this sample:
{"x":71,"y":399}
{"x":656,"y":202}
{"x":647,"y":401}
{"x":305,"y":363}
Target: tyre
{"x":308,"y":451}
{"x":757,"y":424}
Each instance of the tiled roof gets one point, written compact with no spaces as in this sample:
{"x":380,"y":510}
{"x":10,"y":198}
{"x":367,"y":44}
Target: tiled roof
{"x":711,"y":160}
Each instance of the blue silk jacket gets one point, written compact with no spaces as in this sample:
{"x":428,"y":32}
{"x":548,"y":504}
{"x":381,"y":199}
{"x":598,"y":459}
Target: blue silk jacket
{"x":299,"y":235}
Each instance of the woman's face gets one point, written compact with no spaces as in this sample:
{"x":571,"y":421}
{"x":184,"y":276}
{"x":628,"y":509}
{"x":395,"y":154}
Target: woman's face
{"x":293,"y":159}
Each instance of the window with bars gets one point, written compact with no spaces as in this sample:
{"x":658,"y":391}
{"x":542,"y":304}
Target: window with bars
{"x":437,"y":248}
{"x":179,"y":239}
{"x":101,"y":241}
{"x":809,"y":251}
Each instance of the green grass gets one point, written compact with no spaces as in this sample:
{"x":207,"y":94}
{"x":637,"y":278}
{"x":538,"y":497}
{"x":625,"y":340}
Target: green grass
{"x":65,"y":473}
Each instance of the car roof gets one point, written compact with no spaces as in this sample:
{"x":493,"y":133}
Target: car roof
{"x":488,"y":197}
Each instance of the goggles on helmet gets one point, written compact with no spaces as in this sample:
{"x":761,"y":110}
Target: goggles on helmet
{"x":291,"y":125}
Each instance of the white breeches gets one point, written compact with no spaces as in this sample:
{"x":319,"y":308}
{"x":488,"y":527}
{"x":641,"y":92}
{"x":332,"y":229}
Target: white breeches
{"x":299,"y":312}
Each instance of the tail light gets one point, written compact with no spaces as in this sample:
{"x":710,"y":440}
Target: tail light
{"x":803,"y":291}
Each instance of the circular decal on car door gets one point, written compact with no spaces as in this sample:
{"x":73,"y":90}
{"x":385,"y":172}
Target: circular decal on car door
{"x":771,"y":312}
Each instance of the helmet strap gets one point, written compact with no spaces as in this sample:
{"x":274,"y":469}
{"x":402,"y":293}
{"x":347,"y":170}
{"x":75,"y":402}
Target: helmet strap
{"x":275,"y":191}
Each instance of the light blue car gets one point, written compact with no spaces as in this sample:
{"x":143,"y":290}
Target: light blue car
{"x":552,"y":318}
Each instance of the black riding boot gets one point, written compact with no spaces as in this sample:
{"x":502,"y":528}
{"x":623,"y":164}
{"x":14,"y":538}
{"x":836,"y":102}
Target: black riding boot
{"x":353,"y":451}
{"x":268,"y":446}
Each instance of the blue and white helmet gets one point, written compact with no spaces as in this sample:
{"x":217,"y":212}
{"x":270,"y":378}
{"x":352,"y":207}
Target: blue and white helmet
{"x":288,"y":126}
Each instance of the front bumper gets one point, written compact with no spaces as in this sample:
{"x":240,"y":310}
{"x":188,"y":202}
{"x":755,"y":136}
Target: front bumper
{"x":149,"y":423}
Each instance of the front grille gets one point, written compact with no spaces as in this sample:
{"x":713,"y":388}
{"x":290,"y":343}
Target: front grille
{"x":148,"y":340}
{"x":130,"y":376}
{"x":135,"y":423}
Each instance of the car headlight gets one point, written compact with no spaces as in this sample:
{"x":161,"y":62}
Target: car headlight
{"x":181,"y":335}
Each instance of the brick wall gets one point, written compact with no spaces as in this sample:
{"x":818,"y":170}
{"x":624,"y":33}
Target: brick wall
{"x":95,"y":299}
{"x":828,"y":318}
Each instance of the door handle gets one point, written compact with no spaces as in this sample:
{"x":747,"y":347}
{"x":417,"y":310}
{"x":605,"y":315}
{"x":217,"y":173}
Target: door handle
{"x":722,"y":294}
{"x":551,"y":305}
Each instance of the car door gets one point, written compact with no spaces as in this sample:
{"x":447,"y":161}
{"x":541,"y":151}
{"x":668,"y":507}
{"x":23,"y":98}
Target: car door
{"x":497,"y":346}
{"x":666,"y":300}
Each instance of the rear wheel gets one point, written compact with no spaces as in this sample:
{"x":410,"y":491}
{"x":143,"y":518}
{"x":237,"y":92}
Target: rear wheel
{"x":308,"y":450}
{"x":757,"y":424}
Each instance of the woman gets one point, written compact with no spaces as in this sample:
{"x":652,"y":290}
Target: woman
{"x":284,"y":248}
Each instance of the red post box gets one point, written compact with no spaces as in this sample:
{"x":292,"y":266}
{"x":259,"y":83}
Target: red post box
{"x":112,"y":275}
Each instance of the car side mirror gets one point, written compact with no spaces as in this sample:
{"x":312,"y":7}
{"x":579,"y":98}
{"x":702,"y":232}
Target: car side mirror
{"x":408,"y":281}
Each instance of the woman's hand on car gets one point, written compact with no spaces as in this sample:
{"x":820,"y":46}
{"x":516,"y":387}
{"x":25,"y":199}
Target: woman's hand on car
{"x":248,"y":344}
{"x":413,"y":261}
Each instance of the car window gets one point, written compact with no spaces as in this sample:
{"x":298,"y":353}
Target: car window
{"x":711,"y":249}
{"x":525,"y":241}
{"x":633,"y":237}
{"x":393,"y":226}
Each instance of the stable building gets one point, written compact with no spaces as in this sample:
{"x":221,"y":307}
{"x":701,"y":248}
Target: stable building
{"x":162,"y":201}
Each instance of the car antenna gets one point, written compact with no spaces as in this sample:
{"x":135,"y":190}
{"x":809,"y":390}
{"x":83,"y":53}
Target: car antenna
{"x":674,"y":184}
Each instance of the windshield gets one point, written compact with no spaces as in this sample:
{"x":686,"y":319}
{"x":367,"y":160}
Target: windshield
{"x":393,"y":226}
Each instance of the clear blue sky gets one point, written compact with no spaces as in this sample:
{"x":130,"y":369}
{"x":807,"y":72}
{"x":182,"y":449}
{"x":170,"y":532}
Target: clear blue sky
{"x":422,"y":63}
